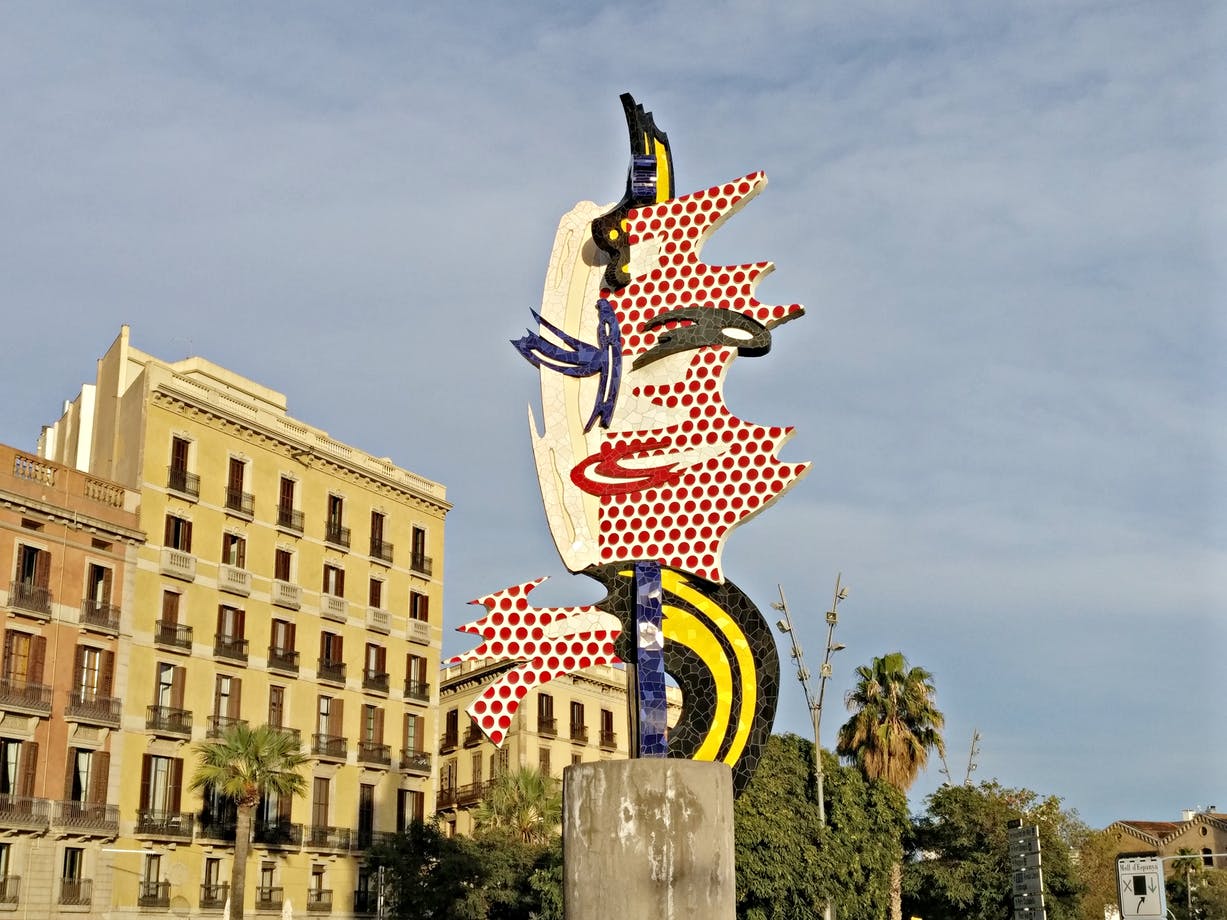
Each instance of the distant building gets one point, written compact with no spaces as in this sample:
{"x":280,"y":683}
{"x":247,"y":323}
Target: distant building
{"x":68,"y":551}
{"x":1200,"y":833}
{"x":576,"y":718}
{"x":288,"y":579}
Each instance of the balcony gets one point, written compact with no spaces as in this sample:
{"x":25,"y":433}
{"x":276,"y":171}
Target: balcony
{"x":100,"y":616}
{"x":381,"y":551}
{"x":25,"y":697}
{"x":181,"y":481}
{"x":376,"y":681}
{"x":178,"y":564}
{"x":30,"y":598}
{"x":422,"y":564}
{"x":379,"y":621}
{"x":164,"y":825}
{"x":216,"y":726}
{"x":332,"y":747}
{"x":371,"y":752}
{"x":319,"y":900}
{"x":240,"y":502}
{"x":366,"y":901}
{"x":292,"y":732}
{"x":325,"y":837}
{"x":233,"y":579}
{"x":449,"y":742}
{"x":473,"y":736}
{"x":19,"y":812}
{"x":216,"y":827}
{"x":334,"y":608}
{"x":283,"y":659}
{"x":547,"y":725}
{"x":609,"y":740}
{"x":214,"y":897}
{"x":286,"y":594}
{"x":269,"y":898}
{"x":417,"y":690}
{"x":418,"y":631}
{"x":278,"y":834}
{"x":232,"y":647}
{"x":579,"y":734}
{"x":462,"y":796}
{"x":365,"y":838}
{"x":173,"y":636}
{"x":331,"y":671}
{"x":335,"y":534}
{"x":167,"y":720}
{"x":289,"y":519}
{"x":89,"y":819}
{"x":10,"y":889}
{"x":153,"y":894}
{"x":415,"y":762}
{"x":76,"y":892}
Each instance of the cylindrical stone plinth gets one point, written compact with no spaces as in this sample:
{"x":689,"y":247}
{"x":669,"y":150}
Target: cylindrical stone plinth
{"x":650,"y":839}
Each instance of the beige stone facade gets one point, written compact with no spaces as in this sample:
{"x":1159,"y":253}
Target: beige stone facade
{"x":287,"y":579}
{"x":1200,"y":833}
{"x":577,"y":718}
{"x":68,"y":549}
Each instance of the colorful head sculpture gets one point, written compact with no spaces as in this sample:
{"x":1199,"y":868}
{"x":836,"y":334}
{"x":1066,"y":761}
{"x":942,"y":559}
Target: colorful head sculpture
{"x":644,"y":471}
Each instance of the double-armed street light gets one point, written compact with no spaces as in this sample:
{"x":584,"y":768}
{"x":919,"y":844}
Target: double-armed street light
{"x":803,"y":675}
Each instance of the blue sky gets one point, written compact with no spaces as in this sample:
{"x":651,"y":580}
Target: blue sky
{"x":1005,"y":222}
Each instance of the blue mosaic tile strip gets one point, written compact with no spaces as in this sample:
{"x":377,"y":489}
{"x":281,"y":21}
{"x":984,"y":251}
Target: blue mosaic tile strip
{"x":650,"y":662}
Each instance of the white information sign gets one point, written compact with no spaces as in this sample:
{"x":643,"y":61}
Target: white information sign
{"x":1140,"y":885}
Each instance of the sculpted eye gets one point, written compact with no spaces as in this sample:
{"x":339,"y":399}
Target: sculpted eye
{"x":700,"y":327}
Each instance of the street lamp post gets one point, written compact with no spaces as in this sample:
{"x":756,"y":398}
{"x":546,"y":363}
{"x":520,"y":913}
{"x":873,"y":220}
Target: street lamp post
{"x":803,"y":675}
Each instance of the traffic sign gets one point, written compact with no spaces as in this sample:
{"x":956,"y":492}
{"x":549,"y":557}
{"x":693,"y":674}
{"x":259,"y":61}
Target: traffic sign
{"x":1028,"y":877}
{"x":1029,"y":881}
{"x":1140,"y":885}
{"x":1020,"y":861}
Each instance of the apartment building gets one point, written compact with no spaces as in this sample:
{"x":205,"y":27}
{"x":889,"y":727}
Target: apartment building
{"x":287,"y":579}
{"x":573,"y":719}
{"x":68,"y":548}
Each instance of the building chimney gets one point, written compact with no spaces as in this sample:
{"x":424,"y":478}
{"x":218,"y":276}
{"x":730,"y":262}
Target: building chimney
{"x":1188,"y":814}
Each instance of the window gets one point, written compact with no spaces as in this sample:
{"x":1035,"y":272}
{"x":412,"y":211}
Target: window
{"x":236,"y":498}
{"x":276,"y":706}
{"x":577,"y":759}
{"x":286,"y":515}
{"x":23,"y":658}
{"x":273,"y":810}
{"x":475,"y":765}
{"x":608,"y":739}
{"x":419,"y":607}
{"x":372,"y":724}
{"x":283,"y":564}
{"x":499,"y":761}
{"x":380,"y":548}
{"x":366,"y":814}
{"x":97,"y":588}
{"x":88,"y":775}
{"x":74,"y":863}
{"x":168,"y":690}
{"x":234,"y":550}
{"x":447,"y":778}
{"x":178,"y":454}
{"x":282,"y":637}
{"x":329,"y":720}
{"x":375,"y":595}
{"x":161,"y":784}
{"x":170,"y":608}
{"x":321,"y":793}
{"x":93,"y":670}
{"x":451,"y":729}
{"x":413,"y":733}
{"x":18,"y":767}
{"x":334,"y":580}
{"x":177,"y":476}
{"x":543,"y":760}
{"x":32,"y":588}
{"x":317,"y":884}
{"x":415,"y":678}
{"x":227,"y":693}
{"x":1207,"y":857}
{"x":230,"y":622}
{"x":151,"y":872}
{"x":546,"y":723}
{"x":331,"y":646}
{"x":579,"y":729}
{"x":376,"y":665}
{"x":410,"y":806}
{"x":419,"y":543}
{"x":178,"y":533}
{"x":334,"y":529}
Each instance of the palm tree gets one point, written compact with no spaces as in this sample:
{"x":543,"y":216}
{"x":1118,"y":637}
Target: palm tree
{"x":244,"y":765}
{"x":893,"y":727}
{"x":525,"y":803}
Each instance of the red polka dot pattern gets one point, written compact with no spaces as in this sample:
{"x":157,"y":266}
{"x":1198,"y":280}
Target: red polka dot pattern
{"x":685,"y":523}
{"x":548,"y":641}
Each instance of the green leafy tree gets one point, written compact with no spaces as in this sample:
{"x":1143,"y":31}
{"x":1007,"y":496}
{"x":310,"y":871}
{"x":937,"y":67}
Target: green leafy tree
{"x":244,"y":765}
{"x":788,"y":863}
{"x":960,"y":861}
{"x":522,"y":802}
{"x":1095,"y":868}
{"x":893,"y":727}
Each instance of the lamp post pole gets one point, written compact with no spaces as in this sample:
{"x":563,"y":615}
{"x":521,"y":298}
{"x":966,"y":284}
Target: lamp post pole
{"x":803,"y":675}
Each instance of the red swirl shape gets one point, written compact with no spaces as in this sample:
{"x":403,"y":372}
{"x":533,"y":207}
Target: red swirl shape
{"x":616,"y":479}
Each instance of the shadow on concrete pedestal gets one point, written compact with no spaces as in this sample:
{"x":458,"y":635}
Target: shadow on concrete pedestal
{"x":650,"y":838}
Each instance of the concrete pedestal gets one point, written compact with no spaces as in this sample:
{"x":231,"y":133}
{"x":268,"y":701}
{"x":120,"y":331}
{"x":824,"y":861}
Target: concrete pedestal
{"x":648,"y":839}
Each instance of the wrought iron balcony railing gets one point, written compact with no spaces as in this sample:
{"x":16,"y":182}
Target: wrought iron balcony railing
{"x":289,"y":518}
{"x":216,"y":827}
{"x":609,"y":740}
{"x":216,"y":726}
{"x":231,"y":647}
{"x":375,"y":680}
{"x":10,"y":889}
{"x":473,"y":736}
{"x":269,"y":898}
{"x":76,"y":892}
{"x":96,"y":818}
{"x":547,"y":725}
{"x":240,"y":501}
{"x":283,"y":659}
{"x":279,"y":833}
{"x":214,"y":896}
{"x":335,"y":534}
{"x":166,"y":825}
{"x":381,"y":550}
{"x":366,"y":901}
{"x":24,"y":812}
{"x":173,"y":635}
{"x":24,"y":595}
{"x":319,"y":900}
{"x":100,"y":615}
{"x":416,"y":762}
{"x":579,"y":734}
{"x":417,"y":690}
{"x":23,"y":696}
{"x":373,"y":752}
{"x":183,"y":482}
{"x":327,"y":669}
{"x":422,"y":564}
{"x":326,"y":837}
{"x":334,"y":746}
{"x":153,"y":894}
{"x":167,"y":720}
{"x":449,"y":742}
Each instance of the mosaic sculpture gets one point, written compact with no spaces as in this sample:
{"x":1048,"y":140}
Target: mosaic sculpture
{"x":643,"y":470}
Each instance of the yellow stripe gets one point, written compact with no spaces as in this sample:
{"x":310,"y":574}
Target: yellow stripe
{"x":677,"y":584}
{"x":664,"y":181}
{"x":684,"y":628}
